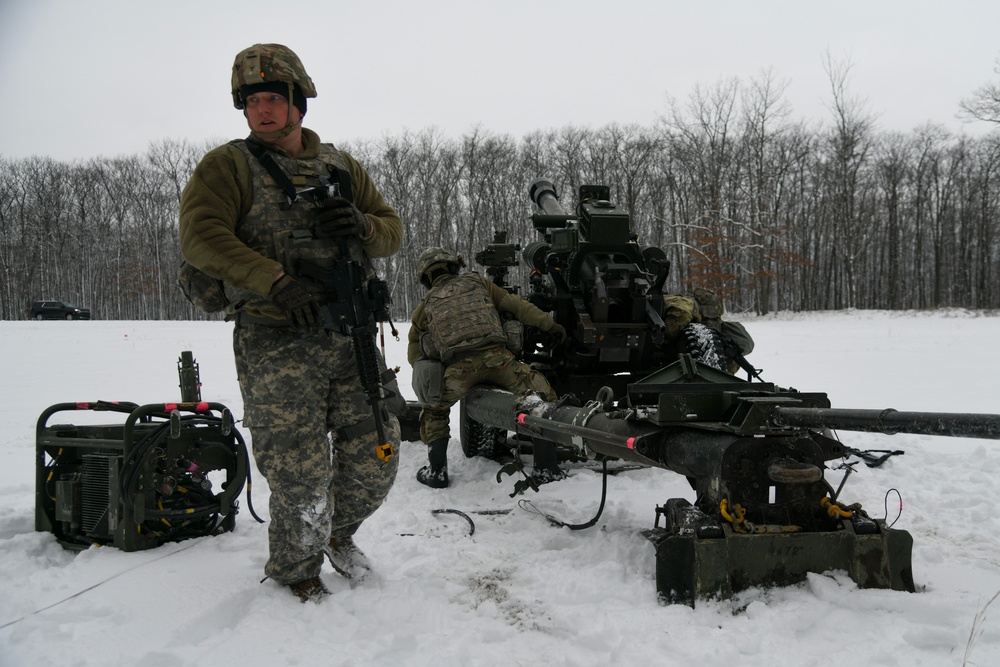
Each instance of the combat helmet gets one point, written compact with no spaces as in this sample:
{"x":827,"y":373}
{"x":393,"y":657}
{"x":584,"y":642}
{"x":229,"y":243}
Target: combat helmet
{"x":269,"y":63}
{"x":272,"y":68}
{"x":437,"y":258}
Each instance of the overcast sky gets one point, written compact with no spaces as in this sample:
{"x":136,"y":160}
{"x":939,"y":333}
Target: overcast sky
{"x":80,"y":79}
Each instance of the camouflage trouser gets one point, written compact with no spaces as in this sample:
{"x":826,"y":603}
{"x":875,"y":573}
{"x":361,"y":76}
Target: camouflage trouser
{"x":300,"y":391}
{"x":495,"y":366}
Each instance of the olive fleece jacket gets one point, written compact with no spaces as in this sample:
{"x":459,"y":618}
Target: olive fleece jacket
{"x":505,"y":302}
{"x":220,"y":194}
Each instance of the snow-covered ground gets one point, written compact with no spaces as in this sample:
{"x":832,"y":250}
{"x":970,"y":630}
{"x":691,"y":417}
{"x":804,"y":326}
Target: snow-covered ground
{"x":519,"y":591}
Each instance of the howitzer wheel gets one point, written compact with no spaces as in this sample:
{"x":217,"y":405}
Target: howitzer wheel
{"x":479,"y":439}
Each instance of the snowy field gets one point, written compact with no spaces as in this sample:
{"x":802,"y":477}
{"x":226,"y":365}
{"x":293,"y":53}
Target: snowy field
{"x":519,"y":591}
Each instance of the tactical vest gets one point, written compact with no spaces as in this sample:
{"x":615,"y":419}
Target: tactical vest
{"x":283,"y":231}
{"x":461,"y":316}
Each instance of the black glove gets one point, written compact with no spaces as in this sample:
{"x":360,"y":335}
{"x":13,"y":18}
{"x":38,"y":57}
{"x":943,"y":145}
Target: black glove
{"x":559,"y":331}
{"x":296,"y":303}
{"x":338,"y":217}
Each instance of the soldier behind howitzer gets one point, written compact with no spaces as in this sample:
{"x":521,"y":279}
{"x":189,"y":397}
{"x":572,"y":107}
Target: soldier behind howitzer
{"x":243,"y":223}
{"x":458,"y":325}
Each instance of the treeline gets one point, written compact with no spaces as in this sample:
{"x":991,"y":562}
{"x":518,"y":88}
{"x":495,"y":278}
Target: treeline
{"x":770,"y":212}
{"x":101,"y":234}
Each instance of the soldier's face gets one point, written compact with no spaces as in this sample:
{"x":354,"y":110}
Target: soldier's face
{"x":268,"y":112}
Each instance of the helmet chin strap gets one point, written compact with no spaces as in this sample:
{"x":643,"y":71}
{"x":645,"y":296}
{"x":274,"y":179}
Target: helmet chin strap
{"x":277,"y":135}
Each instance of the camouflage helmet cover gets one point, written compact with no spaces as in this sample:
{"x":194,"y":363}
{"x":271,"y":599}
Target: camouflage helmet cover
{"x":433,"y":256}
{"x":265,"y":63}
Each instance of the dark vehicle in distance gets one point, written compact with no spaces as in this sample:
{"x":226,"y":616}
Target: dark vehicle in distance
{"x":58,"y":310}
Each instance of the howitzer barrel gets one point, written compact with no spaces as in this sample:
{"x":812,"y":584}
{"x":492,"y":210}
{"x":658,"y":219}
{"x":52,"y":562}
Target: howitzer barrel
{"x":890,"y":422}
{"x":543,"y":194}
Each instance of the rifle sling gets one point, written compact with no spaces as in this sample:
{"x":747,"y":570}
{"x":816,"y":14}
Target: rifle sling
{"x":357,"y":430}
{"x":272,"y":168}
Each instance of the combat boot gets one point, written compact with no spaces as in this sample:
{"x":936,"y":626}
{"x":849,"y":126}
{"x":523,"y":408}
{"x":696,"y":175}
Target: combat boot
{"x":310,"y":590}
{"x":347,"y":559}
{"x":435,"y":474}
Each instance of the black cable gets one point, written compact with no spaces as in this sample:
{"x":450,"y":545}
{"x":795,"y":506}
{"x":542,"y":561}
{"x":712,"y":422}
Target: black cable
{"x":246,"y":458}
{"x":137,"y":455}
{"x":526,"y":504}
{"x":472,"y":524}
{"x":210,"y":514}
{"x":886,"y":507}
{"x":868,"y":455}
{"x":242,"y":450}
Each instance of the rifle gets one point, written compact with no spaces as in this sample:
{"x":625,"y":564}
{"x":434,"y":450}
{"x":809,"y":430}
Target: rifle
{"x":352,"y":303}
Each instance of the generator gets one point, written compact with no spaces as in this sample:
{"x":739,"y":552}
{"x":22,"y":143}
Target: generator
{"x":163,"y":472}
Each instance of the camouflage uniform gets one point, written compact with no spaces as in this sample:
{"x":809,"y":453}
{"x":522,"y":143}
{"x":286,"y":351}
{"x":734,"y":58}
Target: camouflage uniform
{"x":494,"y":366}
{"x":470,"y":340}
{"x":312,"y":431}
{"x":300,"y":389}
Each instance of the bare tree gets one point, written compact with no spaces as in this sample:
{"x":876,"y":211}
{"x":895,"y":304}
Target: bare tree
{"x":764,"y":123}
{"x":893,"y":172}
{"x":984,"y":104}
{"x":703,"y":141}
{"x":569,"y":158}
{"x":490,"y":168}
{"x":848,"y":146}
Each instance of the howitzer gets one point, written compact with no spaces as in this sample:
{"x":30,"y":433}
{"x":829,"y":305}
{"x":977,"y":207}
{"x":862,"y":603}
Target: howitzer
{"x":754,"y":453}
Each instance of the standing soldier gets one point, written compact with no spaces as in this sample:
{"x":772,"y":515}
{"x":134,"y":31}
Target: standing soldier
{"x":458,"y":323}
{"x":248,"y":221}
